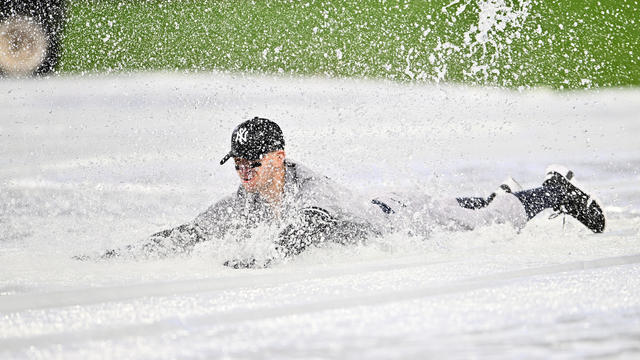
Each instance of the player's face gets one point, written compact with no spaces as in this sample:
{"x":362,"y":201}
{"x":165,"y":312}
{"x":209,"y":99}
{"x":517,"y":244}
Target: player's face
{"x":258,"y":174}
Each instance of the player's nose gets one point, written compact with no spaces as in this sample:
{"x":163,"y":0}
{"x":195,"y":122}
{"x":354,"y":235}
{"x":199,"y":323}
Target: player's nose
{"x":244,"y":171}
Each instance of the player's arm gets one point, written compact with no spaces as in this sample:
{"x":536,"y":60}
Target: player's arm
{"x":178,"y":240}
{"x":170,"y":242}
{"x":313,"y":227}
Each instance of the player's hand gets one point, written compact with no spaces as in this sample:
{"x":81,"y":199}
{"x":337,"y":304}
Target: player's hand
{"x":247,"y":263}
{"x":109,"y":254}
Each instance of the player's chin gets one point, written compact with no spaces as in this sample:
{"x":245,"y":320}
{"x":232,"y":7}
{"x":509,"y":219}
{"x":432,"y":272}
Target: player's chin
{"x":250,"y":185}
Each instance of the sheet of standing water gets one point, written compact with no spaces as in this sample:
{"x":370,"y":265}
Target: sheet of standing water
{"x":99,"y":162}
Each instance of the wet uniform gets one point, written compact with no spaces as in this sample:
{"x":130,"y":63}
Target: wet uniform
{"x":315,"y":210}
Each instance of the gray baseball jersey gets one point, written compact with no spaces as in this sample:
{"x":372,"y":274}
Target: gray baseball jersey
{"x":315,"y":209}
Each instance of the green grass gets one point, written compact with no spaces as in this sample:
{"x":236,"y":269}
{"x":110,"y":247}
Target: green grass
{"x":560,"y":44}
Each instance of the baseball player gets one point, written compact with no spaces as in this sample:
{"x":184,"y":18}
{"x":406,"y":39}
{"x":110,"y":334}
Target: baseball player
{"x":309,"y":209}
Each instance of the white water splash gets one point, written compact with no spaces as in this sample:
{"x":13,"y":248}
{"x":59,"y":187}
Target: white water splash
{"x":498,"y":24}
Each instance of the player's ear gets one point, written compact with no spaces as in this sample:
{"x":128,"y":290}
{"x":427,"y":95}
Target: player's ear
{"x":280,"y":154}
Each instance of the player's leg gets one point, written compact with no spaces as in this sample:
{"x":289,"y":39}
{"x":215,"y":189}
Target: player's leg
{"x":558,"y":192}
{"x":474,"y":203}
{"x":420,"y":212}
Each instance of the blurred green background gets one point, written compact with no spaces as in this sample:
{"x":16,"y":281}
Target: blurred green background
{"x":558,"y":44}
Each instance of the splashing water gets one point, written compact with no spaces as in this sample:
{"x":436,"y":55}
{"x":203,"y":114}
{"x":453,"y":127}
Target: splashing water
{"x":488,"y":39}
{"x":509,"y":43}
{"x":69,"y":185}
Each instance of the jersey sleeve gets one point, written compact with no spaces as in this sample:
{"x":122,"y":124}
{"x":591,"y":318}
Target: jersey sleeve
{"x":315,"y":226}
{"x":212,"y":223}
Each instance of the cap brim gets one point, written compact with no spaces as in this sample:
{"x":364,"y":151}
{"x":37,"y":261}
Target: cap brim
{"x":242,"y":156}
{"x":225,"y":158}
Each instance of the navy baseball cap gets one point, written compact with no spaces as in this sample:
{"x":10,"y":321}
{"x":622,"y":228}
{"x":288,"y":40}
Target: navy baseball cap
{"x":254,"y":138}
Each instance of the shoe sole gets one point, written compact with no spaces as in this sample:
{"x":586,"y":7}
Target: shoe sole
{"x":593,"y":218}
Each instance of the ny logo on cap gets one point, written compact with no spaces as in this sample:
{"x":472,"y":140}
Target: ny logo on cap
{"x":241,"y":136}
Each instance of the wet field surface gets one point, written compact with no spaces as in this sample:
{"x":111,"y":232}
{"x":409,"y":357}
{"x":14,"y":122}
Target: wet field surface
{"x":95,"y":163}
